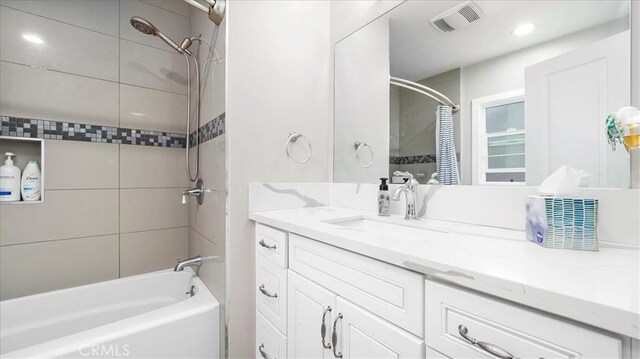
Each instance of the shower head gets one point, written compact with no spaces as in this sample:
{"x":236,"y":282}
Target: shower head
{"x":147,"y":28}
{"x":143,"y":26}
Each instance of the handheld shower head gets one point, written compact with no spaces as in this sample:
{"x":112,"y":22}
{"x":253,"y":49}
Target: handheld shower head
{"x":146,"y":27}
{"x":143,"y":26}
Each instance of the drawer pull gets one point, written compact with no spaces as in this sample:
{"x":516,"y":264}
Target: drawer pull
{"x":334,"y":337}
{"x":262,"y":352}
{"x":262,"y":243}
{"x":323,"y":328}
{"x":494,"y":350}
{"x":265,"y":292}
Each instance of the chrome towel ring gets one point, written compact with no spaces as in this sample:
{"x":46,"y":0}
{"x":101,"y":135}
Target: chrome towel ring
{"x":293,"y":137}
{"x":359,"y":146}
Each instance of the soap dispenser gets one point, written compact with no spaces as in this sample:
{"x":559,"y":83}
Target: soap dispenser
{"x":383,"y":198}
{"x":30,"y":187}
{"x":9,"y":180}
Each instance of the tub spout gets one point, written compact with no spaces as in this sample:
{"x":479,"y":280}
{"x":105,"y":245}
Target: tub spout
{"x":191,"y":262}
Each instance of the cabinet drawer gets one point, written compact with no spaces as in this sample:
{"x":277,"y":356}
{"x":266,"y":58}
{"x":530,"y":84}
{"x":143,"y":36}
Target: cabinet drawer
{"x":270,"y":343}
{"x":389,"y":292}
{"x":272,"y":244}
{"x":271,"y":292}
{"x":523,"y":333}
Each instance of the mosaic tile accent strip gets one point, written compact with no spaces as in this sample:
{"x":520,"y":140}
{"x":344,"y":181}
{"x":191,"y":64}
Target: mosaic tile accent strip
{"x":70,"y":131}
{"x":209,"y":131}
{"x":407,"y":160}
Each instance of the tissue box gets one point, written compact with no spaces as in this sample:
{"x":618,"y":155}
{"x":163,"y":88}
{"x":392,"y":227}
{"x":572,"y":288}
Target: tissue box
{"x":563,"y":222}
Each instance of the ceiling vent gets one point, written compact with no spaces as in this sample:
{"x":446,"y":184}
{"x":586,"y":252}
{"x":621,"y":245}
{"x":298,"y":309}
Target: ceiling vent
{"x":458,"y":17}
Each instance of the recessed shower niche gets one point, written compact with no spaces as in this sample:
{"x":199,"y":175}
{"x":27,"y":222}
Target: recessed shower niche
{"x":25,"y":150}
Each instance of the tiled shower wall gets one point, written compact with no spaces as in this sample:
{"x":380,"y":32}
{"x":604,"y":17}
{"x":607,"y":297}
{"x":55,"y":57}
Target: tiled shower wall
{"x":207,"y":236}
{"x":111,"y":210}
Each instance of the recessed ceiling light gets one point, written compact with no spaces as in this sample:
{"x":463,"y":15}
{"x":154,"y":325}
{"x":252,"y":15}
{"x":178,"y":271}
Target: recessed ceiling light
{"x":138,"y":114}
{"x":33,"y":39}
{"x":523,"y":29}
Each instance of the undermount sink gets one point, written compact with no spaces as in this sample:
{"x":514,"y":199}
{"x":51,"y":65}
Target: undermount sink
{"x":374,"y":226}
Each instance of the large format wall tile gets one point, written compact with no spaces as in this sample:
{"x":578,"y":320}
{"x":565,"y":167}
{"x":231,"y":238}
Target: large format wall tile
{"x":212,"y":162}
{"x":64,"y":47}
{"x":64,"y":214}
{"x":29,"y":92}
{"x":149,"y":109}
{"x":212,"y":270}
{"x":208,"y":219}
{"x":176,"y":27}
{"x":152,"y":167}
{"x":178,"y":7}
{"x":149,"y":251}
{"x":41,"y":267}
{"x":81,"y":165}
{"x":147,"y":66}
{"x":98,"y":15}
{"x":149,"y":209}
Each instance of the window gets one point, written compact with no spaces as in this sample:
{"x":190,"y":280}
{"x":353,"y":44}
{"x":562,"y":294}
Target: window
{"x":498,"y":139}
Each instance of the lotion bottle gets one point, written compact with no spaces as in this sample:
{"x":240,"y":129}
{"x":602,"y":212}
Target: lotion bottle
{"x":383,"y":198}
{"x":30,"y":186}
{"x":9,"y":180}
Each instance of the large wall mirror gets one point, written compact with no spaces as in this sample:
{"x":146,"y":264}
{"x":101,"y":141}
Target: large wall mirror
{"x":529,"y":85}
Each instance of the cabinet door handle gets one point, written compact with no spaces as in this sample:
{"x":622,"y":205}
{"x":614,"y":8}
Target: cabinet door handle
{"x":262,"y":352}
{"x":262,"y":243}
{"x":265,"y":292}
{"x":494,"y":350}
{"x":334,"y":337}
{"x":323,"y":328}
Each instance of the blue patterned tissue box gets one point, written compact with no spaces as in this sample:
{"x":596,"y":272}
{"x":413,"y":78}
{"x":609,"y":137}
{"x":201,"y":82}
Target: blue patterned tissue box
{"x":563,"y":222}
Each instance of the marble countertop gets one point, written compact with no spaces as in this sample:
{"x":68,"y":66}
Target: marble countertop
{"x":597,"y":288}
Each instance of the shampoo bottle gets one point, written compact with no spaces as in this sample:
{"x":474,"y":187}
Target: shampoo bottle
{"x":383,"y":198}
{"x":30,"y":186}
{"x":9,"y":180}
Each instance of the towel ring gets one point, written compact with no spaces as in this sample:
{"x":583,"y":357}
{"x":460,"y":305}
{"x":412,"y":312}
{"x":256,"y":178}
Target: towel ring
{"x":360,"y":145}
{"x":293,"y":137}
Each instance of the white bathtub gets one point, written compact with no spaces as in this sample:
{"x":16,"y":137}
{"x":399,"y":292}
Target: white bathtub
{"x":144,"y":316}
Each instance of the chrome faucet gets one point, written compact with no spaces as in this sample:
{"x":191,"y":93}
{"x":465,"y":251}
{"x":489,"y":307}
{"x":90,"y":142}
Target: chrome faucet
{"x":410,"y":191}
{"x":197,"y":191}
{"x":191,"y":262}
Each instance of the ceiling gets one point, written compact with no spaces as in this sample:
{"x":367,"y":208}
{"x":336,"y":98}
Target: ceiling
{"x":418,"y":50}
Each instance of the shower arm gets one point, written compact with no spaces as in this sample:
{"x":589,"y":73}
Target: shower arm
{"x":435,"y":95}
{"x":215,"y":10}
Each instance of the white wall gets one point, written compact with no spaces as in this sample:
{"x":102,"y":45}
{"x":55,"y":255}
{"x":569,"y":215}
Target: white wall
{"x":348,"y":16}
{"x":635,"y":53}
{"x":278,"y":80}
{"x":362,"y":104}
{"x":506,"y":73}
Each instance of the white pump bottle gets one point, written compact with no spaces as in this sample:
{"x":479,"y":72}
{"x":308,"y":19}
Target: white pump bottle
{"x":9,"y":180}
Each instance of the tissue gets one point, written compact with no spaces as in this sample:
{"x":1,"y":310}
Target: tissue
{"x":556,"y":219}
{"x":564,"y":182}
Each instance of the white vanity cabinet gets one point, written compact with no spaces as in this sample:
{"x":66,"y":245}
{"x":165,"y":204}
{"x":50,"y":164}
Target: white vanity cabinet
{"x":315,"y":300}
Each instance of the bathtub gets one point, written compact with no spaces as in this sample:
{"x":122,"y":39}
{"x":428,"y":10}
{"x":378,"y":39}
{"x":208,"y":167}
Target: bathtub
{"x":146,"y":316}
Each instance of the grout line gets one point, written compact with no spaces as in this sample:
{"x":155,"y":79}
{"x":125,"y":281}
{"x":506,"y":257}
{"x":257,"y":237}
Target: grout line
{"x":167,"y":10}
{"x":119,"y":146}
{"x":92,"y":236}
{"x":154,"y":230}
{"x":58,"y":240}
{"x":95,"y":78}
{"x":60,"y":21}
{"x":203,"y":236}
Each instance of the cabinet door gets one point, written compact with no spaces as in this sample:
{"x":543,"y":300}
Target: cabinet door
{"x":363,"y":335}
{"x":308,"y":305}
